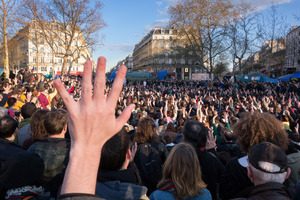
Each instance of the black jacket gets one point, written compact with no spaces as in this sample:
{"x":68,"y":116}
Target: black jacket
{"x":272,"y":190}
{"x":18,"y":167}
{"x":212,"y":170}
{"x":234,"y":180}
{"x":149,"y":159}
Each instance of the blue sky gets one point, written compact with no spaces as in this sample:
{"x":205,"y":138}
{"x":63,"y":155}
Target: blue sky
{"x":127,"y":21}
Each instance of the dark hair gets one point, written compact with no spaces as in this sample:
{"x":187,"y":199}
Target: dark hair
{"x":114,"y":151}
{"x":28,"y":109}
{"x":37,"y":125}
{"x":11,"y":101}
{"x":195,"y":133}
{"x":146,"y":130}
{"x":7,"y":126}
{"x":55,"y":121}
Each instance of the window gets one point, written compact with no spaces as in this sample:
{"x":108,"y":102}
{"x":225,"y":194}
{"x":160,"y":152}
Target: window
{"x":161,"y":44}
{"x":158,"y":31}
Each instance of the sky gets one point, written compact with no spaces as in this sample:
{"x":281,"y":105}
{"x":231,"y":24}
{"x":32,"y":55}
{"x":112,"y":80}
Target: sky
{"x":128,"y":21}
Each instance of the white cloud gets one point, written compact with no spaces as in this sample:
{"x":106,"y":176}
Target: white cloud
{"x":260,"y":5}
{"x":158,"y":23}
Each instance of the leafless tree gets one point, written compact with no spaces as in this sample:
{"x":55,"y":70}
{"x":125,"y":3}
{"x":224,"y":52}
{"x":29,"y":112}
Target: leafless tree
{"x":68,"y":27}
{"x":203,"y":24}
{"x":7,"y":19}
{"x":272,"y":28}
{"x":243,"y":34}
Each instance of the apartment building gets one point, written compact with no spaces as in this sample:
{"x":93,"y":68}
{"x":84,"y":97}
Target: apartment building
{"x":158,"y":51}
{"x":292,"y":63}
{"x":29,"y":49}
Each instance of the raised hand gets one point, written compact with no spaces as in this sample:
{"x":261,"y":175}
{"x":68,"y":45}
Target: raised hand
{"x":91,"y":123}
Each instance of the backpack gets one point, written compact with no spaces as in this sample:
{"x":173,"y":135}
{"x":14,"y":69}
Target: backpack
{"x":149,"y":160}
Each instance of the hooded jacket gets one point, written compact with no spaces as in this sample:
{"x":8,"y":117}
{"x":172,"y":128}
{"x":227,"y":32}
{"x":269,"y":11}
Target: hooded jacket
{"x":121,"y":184}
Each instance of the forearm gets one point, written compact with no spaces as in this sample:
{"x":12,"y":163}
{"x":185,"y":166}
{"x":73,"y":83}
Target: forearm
{"x":82,"y":170}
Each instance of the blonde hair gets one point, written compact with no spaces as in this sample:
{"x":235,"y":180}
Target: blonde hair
{"x":183,"y":169}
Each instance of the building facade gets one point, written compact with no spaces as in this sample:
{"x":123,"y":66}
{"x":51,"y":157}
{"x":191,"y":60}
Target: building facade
{"x":158,"y":51}
{"x":29,"y":49}
{"x":270,"y":59}
{"x":293,"y":50}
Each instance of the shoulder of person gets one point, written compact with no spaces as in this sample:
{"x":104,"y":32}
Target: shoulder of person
{"x":77,"y":196}
{"x":159,"y":194}
{"x":204,"y":195}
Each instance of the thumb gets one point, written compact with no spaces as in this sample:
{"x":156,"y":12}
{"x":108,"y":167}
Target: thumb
{"x":123,"y":118}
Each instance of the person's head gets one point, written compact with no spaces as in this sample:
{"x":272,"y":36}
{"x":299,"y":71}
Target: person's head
{"x":171,"y":127}
{"x":195,"y":133}
{"x":146,"y":130}
{"x":11,"y":101}
{"x":56,"y":122}
{"x":37,"y":125}
{"x":254,"y":128}
{"x":267,"y":163}
{"x":183,"y":169}
{"x":40,"y":87}
{"x":8,"y":127}
{"x":27,"y":110}
{"x":116,"y":152}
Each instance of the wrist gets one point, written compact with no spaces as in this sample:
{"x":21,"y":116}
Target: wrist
{"x":79,"y":150}
{"x":82,"y":170}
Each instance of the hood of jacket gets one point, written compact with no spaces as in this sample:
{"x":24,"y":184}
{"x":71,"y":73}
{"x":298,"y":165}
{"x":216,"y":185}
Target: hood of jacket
{"x":115,"y":190}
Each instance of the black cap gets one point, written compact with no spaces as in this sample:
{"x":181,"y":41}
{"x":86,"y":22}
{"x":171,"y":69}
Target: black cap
{"x":268,"y":157}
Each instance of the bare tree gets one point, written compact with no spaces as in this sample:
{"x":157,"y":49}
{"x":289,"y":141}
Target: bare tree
{"x":243,"y":34}
{"x":68,"y":27}
{"x":188,"y":33}
{"x":220,"y":69}
{"x":272,"y":28}
{"x":203,"y":24}
{"x":7,"y":13}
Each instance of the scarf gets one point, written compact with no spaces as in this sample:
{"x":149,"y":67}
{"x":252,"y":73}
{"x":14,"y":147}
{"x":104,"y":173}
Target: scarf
{"x":168,"y":186}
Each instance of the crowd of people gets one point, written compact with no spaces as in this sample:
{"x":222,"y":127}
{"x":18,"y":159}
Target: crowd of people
{"x":152,"y":140}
